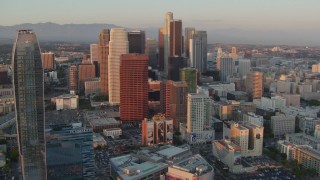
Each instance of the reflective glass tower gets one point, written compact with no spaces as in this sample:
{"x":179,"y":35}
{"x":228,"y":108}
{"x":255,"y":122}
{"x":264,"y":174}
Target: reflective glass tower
{"x":28,"y":86}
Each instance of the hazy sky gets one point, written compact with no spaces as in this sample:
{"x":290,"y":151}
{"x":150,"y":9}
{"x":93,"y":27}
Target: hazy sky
{"x":249,"y":15}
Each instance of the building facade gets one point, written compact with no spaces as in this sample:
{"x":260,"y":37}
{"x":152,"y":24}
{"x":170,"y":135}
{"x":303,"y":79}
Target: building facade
{"x":199,"y":114}
{"x":173,"y":101}
{"x":176,"y":38}
{"x":28,"y":87}
{"x":103,"y":52}
{"x":70,"y":153}
{"x":48,"y":60}
{"x":190,"y":76}
{"x":198,"y":51}
{"x":118,"y":45}
{"x":133,"y":87}
{"x":226,"y":68}
{"x":137,"y":42}
{"x":73,"y":78}
{"x":254,"y":85}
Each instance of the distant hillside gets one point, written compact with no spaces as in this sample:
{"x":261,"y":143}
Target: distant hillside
{"x":56,"y":32}
{"x":88,"y":33}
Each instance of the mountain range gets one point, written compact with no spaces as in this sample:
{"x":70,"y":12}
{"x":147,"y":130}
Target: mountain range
{"x":88,"y":33}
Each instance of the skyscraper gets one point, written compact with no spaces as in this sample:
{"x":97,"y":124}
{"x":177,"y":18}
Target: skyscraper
{"x":94,"y":53}
{"x":175,"y":64}
{"x":73,"y":78}
{"x":254,"y":84}
{"x":198,"y":51}
{"x":173,"y":101}
{"x":161,"y":49}
{"x":199,"y":117}
{"x":244,"y":67}
{"x":4,"y":79}
{"x":176,"y":38}
{"x":103,"y":52}
{"x":188,"y":31}
{"x":151,"y":50}
{"x":118,"y":45}
{"x":190,"y":76}
{"x":28,"y":86}
{"x":234,"y":54}
{"x":133,"y":87}
{"x":137,"y":42}
{"x":86,"y":71}
{"x":47,"y":60}
{"x":227,"y":68}
{"x":166,"y":37}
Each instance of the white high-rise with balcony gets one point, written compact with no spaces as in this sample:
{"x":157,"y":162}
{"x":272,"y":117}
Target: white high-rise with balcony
{"x":198,"y":118}
{"x":118,"y":45}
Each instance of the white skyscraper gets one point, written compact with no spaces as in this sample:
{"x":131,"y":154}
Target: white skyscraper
{"x":198,"y":118}
{"x":166,"y":36}
{"x":118,"y":45}
{"x":94,"y":52}
{"x":198,"y":51}
{"x":227,"y":68}
{"x":244,"y":67}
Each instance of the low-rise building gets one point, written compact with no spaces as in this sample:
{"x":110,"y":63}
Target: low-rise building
{"x":282,"y":124}
{"x":66,"y":101}
{"x":98,"y":140}
{"x":194,"y":167}
{"x":113,"y":132}
{"x":151,"y":163}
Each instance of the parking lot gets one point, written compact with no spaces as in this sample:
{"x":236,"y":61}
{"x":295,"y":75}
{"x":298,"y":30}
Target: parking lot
{"x":268,"y":174}
{"x":131,"y":137}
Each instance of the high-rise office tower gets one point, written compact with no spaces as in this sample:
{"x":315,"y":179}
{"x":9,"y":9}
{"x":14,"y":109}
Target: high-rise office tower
{"x":254,"y":84}
{"x":244,"y":67}
{"x":161,"y":49}
{"x":133,"y":87}
{"x":227,"y":68}
{"x":137,"y":42}
{"x":47,"y":60}
{"x":218,"y":58}
{"x":173,"y":101}
{"x":176,"y":38}
{"x":198,"y":51}
{"x":4,"y":79}
{"x":190,"y":76}
{"x":28,"y":86}
{"x":234,"y":54}
{"x":103,"y":52}
{"x":118,"y":45}
{"x":86,"y":71}
{"x":175,"y":64}
{"x":151,"y":50}
{"x":73,"y":78}
{"x":94,"y":53}
{"x":70,"y":153}
{"x":166,"y":37}
{"x":198,"y":116}
{"x":188,"y":31}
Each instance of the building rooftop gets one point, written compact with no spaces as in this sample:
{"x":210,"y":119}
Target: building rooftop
{"x":66,"y":96}
{"x":171,"y":151}
{"x":102,"y":121}
{"x":196,"y":165}
{"x":129,"y":167}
